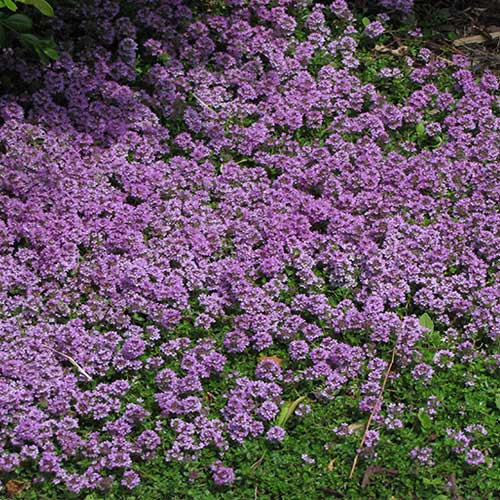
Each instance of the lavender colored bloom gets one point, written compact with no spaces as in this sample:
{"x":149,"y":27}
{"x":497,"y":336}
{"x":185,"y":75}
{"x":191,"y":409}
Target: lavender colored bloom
{"x":474,"y":457}
{"x":268,"y":369}
{"x":302,"y":410}
{"x":462,"y":440}
{"x":476,"y":429}
{"x":127,"y":50}
{"x":425,"y":54}
{"x":145,"y":208}
{"x":422,"y":455}
{"x":276,"y":434}
{"x":343,"y":430}
{"x":404,"y":6}
{"x":222,"y":474}
{"x":374,"y":29}
{"x":298,"y":349}
{"x":130,"y":479}
{"x":236,"y":341}
{"x":268,"y":410}
{"x":390,"y":72}
{"x":372,"y":438}
{"x":133,"y":348}
{"x":423,"y":371}
{"x":443,"y":358}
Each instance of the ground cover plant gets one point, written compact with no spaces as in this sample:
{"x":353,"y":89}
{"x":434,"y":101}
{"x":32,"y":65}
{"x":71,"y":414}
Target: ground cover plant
{"x":249,"y":249}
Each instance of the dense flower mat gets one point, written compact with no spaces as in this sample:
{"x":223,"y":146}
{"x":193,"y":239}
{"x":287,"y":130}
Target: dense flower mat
{"x":181,"y":193}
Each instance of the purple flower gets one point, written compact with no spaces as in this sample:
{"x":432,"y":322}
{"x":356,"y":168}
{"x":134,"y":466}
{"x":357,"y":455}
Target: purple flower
{"x":236,"y":341}
{"x":443,"y":358}
{"x":268,"y":369}
{"x":130,"y":479}
{"x":268,"y":410}
{"x":404,"y":6}
{"x":276,"y":434}
{"x":298,"y":349}
{"x":133,"y":348}
{"x":222,"y":474}
{"x":474,"y":457}
{"x":422,"y":455}
{"x":127,"y":49}
{"x":149,"y":209}
{"x":302,"y":410}
{"x":372,"y":438}
{"x":374,"y":29}
{"x":423,"y":371}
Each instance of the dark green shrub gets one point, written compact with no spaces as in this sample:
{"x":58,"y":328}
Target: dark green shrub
{"x":17,"y":26}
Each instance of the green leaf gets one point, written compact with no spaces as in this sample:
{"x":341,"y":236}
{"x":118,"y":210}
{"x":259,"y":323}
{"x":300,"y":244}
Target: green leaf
{"x":51,"y":53}
{"x":138,"y":317}
{"x":426,"y":321}
{"x":18,"y":22}
{"x":420,"y":129}
{"x":439,"y":141}
{"x":365,"y":21}
{"x":10,"y":5}
{"x":29,"y":39}
{"x":43,"y":6}
{"x":287,"y":411}
{"x":282,"y":416}
{"x":425,"y":419}
{"x":497,"y":400}
{"x":3,"y":37}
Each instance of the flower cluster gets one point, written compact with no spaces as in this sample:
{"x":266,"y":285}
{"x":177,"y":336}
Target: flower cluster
{"x":169,"y":175}
{"x":463,"y":440}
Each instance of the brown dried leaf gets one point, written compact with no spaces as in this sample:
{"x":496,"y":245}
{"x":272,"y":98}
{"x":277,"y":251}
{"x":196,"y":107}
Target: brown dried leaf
{"x":275,"y":359}
{"x":14,"y":487}
{"x":432,"y":436}
{"x":356,"y":426}
{"x":399,"y":52}
{"x":376,"y":469}
{"x":331,"y":464}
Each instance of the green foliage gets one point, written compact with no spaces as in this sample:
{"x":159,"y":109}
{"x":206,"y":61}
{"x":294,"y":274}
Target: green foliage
{"x":426,"y":321}
{"x":420,"y":130}
{"x":17,"y":26}
{"x":287,"y":411}
{"x":42,"y":5}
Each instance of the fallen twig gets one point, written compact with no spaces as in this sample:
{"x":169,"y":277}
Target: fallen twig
{"x":375,"y":406}
{"x":203,"y":103}
{"x":455,"y":495}
{"x":476,"y":39}
{"x":71,"y":360}
{"x":258,"y":462}
{"x":376,"y":469}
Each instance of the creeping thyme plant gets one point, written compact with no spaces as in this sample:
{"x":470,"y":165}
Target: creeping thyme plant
{"x":248,"y":250}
